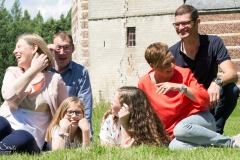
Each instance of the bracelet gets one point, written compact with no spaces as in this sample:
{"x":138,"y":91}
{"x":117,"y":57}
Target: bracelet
{"x":18,"y":95}
{"x":61,"y":133}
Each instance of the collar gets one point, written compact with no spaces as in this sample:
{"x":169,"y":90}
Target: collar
{"x":69,"y":67}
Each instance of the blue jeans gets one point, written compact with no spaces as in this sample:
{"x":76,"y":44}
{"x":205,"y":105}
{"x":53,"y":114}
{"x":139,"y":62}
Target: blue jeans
{"x":198,"y":130}
{"x":15,"y":140}
{"x":228,"y":99}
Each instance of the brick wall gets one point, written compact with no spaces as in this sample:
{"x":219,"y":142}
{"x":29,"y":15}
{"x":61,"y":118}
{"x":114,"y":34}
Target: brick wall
{"x":225,"y":24}
{"x":80,"y":31}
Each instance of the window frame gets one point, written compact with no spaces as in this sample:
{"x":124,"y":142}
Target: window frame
{"x":131,"y":36}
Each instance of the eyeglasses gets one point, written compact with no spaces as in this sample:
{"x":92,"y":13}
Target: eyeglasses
{"x":184,"y":24}
{"x":77,"y":113}
{"x":65,"y":48}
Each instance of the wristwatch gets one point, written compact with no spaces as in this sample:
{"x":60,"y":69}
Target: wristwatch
{"x":183,"y":88}
{"x":218,"y":81}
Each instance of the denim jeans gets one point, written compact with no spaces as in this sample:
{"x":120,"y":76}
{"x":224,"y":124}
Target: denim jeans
{"x":228,"y":99}
{"x":198,"y":130}
{"x":15,"y":140}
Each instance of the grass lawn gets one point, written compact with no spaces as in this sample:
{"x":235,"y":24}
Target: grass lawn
{"x":96,"y":151}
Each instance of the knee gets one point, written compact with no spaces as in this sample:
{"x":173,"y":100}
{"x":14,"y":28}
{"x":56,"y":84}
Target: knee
{"x":231,"y":90}
{"x":4,"y":122}
{"x":25,"y":142}
{"x":182,"y":130}
{"x":5,"y":126}
{"x":24,"y":135}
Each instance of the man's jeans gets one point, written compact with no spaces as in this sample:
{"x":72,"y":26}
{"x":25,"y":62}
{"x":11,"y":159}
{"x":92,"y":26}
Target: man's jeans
{"x":228,"y":99}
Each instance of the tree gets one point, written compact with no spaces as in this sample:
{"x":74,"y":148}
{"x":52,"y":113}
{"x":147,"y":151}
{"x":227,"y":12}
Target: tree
{"x":50,"y":27}
{"x":16,"y":11}
{"x":26,"y":22}
{"x":16,"y":29}
{"x":15,"y":23}
{"x":5,"y":47}
{"x":38,"y":23}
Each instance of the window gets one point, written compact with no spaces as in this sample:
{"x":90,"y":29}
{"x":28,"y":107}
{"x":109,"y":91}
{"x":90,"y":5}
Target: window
{"x":131,"y":36}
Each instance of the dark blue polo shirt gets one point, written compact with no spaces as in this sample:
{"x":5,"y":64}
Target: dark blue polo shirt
{"x":210,"y":54}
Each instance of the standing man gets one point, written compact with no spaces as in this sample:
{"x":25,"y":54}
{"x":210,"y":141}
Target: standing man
{"x":203,"y":54}
{"x":74,"y":75}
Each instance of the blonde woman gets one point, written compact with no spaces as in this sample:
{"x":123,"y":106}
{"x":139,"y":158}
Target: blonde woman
{"x":31,"y":94}
{"x":69,"y":127}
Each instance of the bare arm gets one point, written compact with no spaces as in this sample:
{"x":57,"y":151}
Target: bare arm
{"x":127,"y":140}
{"x":21,"y":83}
{"x":39,"y":62}
{"x":229,"y":76}
{"x":59,"y":142}
{"x":229,"y":73}
{"x":84,"y":126}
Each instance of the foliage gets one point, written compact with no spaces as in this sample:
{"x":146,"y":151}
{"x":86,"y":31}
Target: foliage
{"x":141,"y":152}
{"x":16,"y":22}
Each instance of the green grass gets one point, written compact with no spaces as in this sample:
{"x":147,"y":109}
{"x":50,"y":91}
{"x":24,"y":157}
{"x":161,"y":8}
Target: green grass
{"x":97,"y":152}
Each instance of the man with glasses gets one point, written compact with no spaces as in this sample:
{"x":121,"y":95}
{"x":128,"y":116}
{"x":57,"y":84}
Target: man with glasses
{"x":203,"y":54}
{"x":74,"y":75}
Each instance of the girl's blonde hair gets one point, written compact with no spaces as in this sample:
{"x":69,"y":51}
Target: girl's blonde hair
{"x":34,"y":39}
{"x":65,"y":105}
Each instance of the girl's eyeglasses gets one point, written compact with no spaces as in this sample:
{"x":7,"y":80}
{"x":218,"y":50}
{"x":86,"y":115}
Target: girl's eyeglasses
{"x":77,"y":113}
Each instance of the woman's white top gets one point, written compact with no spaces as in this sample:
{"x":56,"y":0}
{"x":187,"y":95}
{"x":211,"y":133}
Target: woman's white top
{"x":35,"y":123}
{"x":110,"y":132}
{"x":34,"y":117}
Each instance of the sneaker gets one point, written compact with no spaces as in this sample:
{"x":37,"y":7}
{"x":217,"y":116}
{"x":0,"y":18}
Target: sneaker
{"x":236,"y":141}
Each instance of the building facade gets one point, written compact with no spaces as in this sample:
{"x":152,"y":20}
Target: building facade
{"x":111,"y":36}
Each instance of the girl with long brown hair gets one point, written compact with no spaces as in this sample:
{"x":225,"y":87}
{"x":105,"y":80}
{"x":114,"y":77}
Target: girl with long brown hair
{"x":132,"y":120}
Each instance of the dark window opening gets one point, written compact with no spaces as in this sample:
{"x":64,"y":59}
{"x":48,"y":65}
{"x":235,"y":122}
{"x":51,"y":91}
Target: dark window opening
{"x":131,"y":36}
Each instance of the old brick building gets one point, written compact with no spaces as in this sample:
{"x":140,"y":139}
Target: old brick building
{"x":111,"y":36}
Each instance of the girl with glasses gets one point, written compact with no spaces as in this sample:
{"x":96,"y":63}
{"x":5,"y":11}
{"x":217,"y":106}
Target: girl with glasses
{"x":69,"y":127}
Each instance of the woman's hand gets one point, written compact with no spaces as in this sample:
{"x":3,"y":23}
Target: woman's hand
{"x":64,"y":125}
{"x":39,"y":62}
{"x":163,"y":88}
{"x":83,"y":124}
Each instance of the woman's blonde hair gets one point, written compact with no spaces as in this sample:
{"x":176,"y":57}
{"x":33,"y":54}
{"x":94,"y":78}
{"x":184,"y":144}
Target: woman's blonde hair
{"x":34,"y":39}
{"x":65,"y":105}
